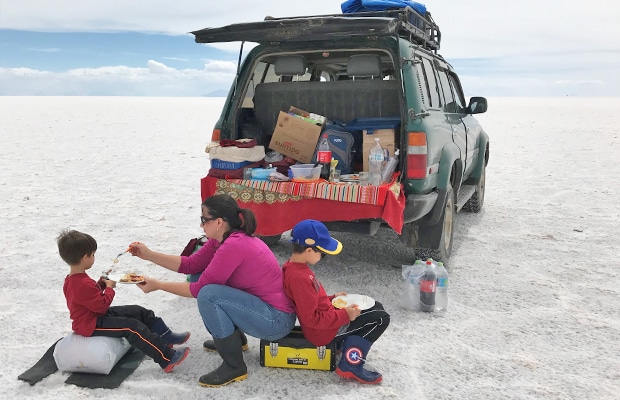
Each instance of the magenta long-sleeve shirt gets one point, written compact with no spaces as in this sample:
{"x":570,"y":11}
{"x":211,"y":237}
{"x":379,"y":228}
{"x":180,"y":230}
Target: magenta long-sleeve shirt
{"x":242,"y":262}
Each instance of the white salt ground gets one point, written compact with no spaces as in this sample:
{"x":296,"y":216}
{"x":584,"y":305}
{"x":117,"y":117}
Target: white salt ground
{"x":533,"y":308}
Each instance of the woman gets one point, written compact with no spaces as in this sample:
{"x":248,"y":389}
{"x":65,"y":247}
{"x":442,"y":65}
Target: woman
{"x":240,"y":288}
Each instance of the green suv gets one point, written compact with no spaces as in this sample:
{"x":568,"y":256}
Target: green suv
{"x":350,"y":67}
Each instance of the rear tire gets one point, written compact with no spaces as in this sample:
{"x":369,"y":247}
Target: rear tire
{"x":444,"y":251}
{"x":412,"y":233}
{"x":475,"y":202}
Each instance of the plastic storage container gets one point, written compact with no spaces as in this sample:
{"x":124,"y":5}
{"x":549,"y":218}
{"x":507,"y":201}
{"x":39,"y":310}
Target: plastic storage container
{"x":228,"y":165}
{"x":306,"y":171}
{"x":262,"y":174}
{"x":370,"y":124}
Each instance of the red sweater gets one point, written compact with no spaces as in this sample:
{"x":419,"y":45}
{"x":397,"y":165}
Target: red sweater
{"x":86,"y":301}
{"x":318,"y":318}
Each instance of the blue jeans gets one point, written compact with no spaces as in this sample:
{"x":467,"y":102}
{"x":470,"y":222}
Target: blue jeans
{"x":224,"y":308}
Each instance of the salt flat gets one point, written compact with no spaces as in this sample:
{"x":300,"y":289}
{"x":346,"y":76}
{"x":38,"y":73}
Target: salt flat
{"x":534,"y":310}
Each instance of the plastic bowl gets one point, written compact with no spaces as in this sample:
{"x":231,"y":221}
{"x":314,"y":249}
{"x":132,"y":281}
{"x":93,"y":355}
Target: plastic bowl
{"x":306,"y":171}
{"x":262,"y":174}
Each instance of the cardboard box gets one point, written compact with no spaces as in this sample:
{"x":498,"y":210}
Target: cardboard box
{"x":294,"y":351}
{"x":295,"y":137}
{"x":386,"y":139}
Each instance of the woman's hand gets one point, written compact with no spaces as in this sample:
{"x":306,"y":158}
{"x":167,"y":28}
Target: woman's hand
{"x":149,"y":285}
{"x":340,"y":294}
{"x":353,"y":311}
{"x":140,"y":250}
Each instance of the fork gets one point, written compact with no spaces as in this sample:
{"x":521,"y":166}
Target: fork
{"x":115,"y":260}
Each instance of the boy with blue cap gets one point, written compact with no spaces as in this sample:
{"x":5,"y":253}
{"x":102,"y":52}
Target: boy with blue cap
{"x":320,"y":321}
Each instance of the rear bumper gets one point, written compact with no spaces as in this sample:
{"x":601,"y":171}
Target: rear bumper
{"x":419,"y":205}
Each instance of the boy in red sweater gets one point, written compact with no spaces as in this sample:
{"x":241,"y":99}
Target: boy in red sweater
{"x":320,"y":321}
{"x":89,"y":307}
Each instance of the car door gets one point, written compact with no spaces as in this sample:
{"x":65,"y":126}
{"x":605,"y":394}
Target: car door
{"x":470,"y":124}
{"x":453,"y":111}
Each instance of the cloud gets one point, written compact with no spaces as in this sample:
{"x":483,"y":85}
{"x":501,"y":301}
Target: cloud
{"x":47,"y":50}
{"x":155,"y":67}
{"x":569,"y":83}
{"x":156,"y":79}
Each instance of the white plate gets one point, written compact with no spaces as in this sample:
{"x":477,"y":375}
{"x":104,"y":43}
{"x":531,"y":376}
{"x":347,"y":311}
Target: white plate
{"x":363,"y":302}
{"x":117,"y":278}
{"x":350,"y":178}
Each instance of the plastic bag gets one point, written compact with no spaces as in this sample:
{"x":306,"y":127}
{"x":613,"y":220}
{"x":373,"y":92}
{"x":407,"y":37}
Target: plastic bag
{"x":93,"y":354}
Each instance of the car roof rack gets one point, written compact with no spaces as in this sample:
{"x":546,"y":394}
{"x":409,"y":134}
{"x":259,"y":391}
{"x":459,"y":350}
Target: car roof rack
{"x":420,"y":29}
{"x":404,"y":22}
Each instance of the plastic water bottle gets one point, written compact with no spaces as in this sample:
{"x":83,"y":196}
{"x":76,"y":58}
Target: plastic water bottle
{"x":441,"y":294}
{"x":390,"y":167}
{"x":376,"y":156}
{"x":411,"y":293}
{"x":324,"y":156}
{"x":428,"y":283}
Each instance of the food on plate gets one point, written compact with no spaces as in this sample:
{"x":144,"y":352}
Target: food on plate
{"x":339,"y":302}
{"x":132,"y":277}
{"x":350,"y":178}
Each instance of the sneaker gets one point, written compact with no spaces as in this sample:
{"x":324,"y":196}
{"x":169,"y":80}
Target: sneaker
{"x":176,"y":338}
{"x":179,"y":356}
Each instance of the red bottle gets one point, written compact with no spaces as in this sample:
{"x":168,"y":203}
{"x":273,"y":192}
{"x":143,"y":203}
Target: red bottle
{"x":428,"y":287}
{"x":324,"y":156}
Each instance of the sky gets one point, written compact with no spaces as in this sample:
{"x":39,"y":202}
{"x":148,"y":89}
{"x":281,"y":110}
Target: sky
{"x":143,"y":48}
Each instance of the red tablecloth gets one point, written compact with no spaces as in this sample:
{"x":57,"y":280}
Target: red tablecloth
{"x":292,"y":209}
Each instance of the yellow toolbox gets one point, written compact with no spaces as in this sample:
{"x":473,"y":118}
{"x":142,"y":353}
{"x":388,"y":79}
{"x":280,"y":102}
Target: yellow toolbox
{"x":294,"y":351}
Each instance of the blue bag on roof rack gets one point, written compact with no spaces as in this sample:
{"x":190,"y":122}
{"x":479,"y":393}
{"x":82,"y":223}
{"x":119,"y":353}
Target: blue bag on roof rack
{"x":353,"y":6}
{"x":415,"y":21}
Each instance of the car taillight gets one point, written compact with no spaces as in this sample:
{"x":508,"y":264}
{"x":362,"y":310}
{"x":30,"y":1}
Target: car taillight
{"x":416,"y":156}
{"x":215,"y":136}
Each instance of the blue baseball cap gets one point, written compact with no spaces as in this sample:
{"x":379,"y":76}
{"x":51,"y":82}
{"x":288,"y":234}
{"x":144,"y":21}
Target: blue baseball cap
{"x":313,"y":233}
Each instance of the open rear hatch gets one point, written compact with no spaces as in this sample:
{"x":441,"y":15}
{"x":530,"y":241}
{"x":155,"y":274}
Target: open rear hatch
{"x":310,"y":28}
{"x":404,"y":22}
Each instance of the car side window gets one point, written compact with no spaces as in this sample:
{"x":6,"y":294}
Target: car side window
{"x":423,"y":84}
{"x":459,"y":98}
{"x":450,"y":105}
{"x":431,"y":81}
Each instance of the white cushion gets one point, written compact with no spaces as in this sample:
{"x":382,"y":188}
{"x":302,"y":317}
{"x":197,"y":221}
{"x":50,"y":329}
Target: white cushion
{"x":95,"y":354}
{"x":236,"y":154}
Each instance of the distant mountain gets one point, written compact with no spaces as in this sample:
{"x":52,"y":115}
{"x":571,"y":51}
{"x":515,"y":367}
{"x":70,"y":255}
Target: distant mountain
{"x":217,"y":93}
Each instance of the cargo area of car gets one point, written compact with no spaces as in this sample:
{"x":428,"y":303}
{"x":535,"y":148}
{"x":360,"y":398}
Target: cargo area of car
{"x":342,"y":86}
